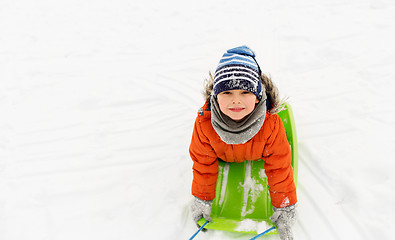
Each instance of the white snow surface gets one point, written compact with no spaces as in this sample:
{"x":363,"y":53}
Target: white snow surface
{"x":98,"y":100}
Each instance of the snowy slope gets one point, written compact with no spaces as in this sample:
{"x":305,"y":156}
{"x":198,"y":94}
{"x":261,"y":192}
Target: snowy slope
{"x":98,"y":100}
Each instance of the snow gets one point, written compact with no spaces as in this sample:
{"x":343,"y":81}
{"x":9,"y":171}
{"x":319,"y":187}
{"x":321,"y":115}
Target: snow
{"x":251,"y":188}
{"x":285,"y":202}
{"x":225,"y":172}
{"x":98,"y":101}
{"x":246,"y":225}
{"x":251,"y":225}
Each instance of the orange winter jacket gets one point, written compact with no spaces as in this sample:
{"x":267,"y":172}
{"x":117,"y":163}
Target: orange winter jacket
{"x":269,"y":144}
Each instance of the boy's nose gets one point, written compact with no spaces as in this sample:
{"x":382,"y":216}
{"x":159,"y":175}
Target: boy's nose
{"x":235,"y":100}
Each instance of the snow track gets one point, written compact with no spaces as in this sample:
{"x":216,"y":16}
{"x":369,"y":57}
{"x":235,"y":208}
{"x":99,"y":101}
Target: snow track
{"x":98,"y":101}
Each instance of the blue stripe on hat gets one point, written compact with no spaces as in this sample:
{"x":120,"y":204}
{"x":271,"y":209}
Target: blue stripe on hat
{"x":242,"y":50}
{"x":238,"y":56}
{"x":237,"y":59}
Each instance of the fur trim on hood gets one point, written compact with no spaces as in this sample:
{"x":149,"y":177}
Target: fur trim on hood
{"x":277,"y":104}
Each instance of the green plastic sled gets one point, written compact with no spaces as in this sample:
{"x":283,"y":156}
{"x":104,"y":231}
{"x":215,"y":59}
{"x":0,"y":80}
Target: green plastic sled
{"x":242,"y":202}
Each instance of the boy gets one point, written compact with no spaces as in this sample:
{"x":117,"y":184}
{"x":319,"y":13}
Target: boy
{"x":239,"y":123}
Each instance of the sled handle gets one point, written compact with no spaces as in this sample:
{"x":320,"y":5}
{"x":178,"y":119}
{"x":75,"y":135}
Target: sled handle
{"x":261,"y":234}
{"x":196,"y":233}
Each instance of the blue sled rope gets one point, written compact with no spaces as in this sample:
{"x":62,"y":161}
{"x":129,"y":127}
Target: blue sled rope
{"x":200,"y":229}
{"x":261,"y":234}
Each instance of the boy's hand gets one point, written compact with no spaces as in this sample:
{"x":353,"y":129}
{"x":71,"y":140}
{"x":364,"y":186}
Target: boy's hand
{"x":201,"y":208}
{"x":284,"y":218}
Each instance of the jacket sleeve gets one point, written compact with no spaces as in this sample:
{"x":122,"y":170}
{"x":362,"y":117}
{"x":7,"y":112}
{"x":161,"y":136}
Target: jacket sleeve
{"x":205,"y":165}
{"x":277,"y":156}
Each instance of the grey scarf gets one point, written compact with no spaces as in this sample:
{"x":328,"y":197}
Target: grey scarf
{"x":232,"y":132}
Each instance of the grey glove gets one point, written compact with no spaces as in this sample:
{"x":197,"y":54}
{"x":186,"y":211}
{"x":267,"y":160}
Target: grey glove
{"x":284,"y":218}
{"x":201,"y":208}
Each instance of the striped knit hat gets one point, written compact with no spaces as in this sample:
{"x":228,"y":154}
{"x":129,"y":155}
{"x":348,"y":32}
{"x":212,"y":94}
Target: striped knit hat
{"x":238,"y":69}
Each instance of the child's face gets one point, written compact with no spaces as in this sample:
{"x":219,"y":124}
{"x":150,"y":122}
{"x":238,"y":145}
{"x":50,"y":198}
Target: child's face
{"x":236,"y":104}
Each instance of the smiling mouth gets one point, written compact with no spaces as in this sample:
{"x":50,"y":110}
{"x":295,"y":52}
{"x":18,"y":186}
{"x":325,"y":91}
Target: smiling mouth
{"x":236,"y":109}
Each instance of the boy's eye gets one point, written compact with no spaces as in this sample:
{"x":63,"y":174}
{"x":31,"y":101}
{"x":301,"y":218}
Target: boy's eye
{"x":246,"y":92}
{"x":226,"y":92}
